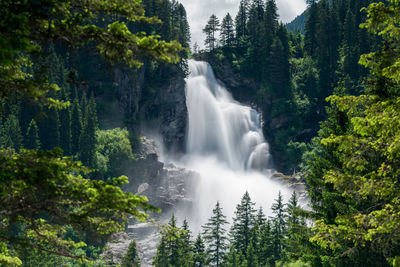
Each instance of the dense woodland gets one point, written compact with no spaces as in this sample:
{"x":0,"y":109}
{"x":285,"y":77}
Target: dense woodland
{"x":294,"y":72}
{"x":335,"y":88}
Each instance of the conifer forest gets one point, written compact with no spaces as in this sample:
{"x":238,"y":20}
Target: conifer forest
{"x":131,"y":136}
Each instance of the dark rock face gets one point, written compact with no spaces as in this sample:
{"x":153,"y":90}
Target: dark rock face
{"x":168,"y":105}
{"x":166,"y":185}
{"x":174,"y":115}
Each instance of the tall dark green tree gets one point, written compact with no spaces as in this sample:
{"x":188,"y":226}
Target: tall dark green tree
{"x":211,"y":30}
{"x":65,"y":126}
{"x":76,"y":126}
{"x":199,"y":253}
{"x":227,"y":36}
{"x":49,"y":129}
{"x":131,"y":258}
{"x":243,"y":222}
{"x":310,"y":38}
{"x":241,"y":19}
{"x":215,"y":238}
{"x":186,"y":243}
{"x":12,"y":135}
{"x":87,"y":141}
{"x":32,"y":136}
{"x":279,"y":226}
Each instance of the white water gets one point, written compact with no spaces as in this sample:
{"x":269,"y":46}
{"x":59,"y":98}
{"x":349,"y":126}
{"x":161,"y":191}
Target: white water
{"x":225,"y":145}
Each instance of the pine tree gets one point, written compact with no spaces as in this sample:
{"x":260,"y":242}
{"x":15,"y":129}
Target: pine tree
{"x":12,"y":135}
{"x":84,"y":108}
{"x":227,"y":31}
{"x":271,"y":20}
{"x":214,"y":236}
{"x":65,"y":126}
{"x":310,"y":38}
{"x":265,"y":245}
{"x":186,"y":244}
{"x":210,"y":30}
{"x":251,"y":256}
{"x":87,"y":141}
{"x":162,"y":257}
{"x":259,"y":6}
{"x":243,"y":222}
{"x":199,"y":255}
{"x":76,"y":126}
{"x":241,"y":19}
{"x":32,"y":136}
{"x":131,"y":258}
{"x":49,"y":129}
{"x":297,"y":232}
{"x":279,"y":226}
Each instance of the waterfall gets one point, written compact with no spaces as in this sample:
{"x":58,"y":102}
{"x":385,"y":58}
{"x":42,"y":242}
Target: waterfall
{"x":220,"y":126}
{"x":225,"y":145}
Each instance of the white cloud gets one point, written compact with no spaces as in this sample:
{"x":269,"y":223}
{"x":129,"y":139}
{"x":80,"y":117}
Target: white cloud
{"x":198,"y":12}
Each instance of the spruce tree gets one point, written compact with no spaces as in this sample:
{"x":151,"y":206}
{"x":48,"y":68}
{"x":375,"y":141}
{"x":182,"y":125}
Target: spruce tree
{"x":32,"y":136}
{"x":12,"y":135}
{"x":214,"y":236}
{"x":65,"y":126}
{"x":241,"y":19}
{"x":310,"y":38}
{"x":243,"y":222}
{"x":87,"y":142}
{"x":297,"y":231}
{"x":265,"y":246}
{"x":49,"y":129}
{"x":162,"y":257}
{"x":131,"y":258}
{"x":199,"y":254}
{"x":76,"y":126}
{"x":279,"y":226}
{"x":259,"y":6}
{"x":210,"y":30}
{"x":186,"y":244}
{"x":227,"y":31}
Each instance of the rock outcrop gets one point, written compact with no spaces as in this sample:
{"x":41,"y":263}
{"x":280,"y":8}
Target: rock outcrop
{"x":167,"y":106}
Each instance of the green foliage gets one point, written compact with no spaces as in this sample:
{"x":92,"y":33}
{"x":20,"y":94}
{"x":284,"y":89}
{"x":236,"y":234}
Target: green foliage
{"x":26,"y":26}
{"x":199,"y":255}
{"x":210,"y":30}
{"x":174,"y":248}
{"x":113,"y":149}
{"x":353,"y":175}
{"x":243,"y":222}
{"x":215,"y":238}
{"x":131,"y":258}
{"x":42,"y":193}
{"x":32,"y":136}
{"x":261,"y":249}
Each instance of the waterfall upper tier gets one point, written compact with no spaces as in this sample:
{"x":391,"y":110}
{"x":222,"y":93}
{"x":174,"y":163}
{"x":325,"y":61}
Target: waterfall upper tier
{"x":220,"y":126}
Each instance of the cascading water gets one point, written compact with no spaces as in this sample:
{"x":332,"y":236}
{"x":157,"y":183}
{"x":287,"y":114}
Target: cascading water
{"x":220,"y":126}
{"x":225,"y":145}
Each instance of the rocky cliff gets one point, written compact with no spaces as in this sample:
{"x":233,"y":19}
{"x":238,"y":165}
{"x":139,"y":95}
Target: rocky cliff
{"x":163,"y":104}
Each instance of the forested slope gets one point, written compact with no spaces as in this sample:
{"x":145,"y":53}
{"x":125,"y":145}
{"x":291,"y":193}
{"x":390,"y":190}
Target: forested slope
{"x":288,"y":75}
{"x":72,"y":93}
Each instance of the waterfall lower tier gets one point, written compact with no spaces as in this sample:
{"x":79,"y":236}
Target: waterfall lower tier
{"x":225,"y":145}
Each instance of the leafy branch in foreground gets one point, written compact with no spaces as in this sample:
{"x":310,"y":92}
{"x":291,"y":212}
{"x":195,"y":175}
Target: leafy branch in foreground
{"x":26,"y":26}
{"x":41,"y":192}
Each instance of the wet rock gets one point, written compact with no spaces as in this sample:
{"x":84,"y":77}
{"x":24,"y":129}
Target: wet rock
{"x":117,"y":246}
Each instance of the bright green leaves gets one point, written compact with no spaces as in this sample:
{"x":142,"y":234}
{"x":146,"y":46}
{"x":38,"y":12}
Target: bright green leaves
{"x":6,"y":259}
{"x":38,"y":185}
{"x":383,"y":19}
{"x":365,"y":169}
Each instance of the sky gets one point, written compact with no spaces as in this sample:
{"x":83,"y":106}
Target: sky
{"x":199,"y":11}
